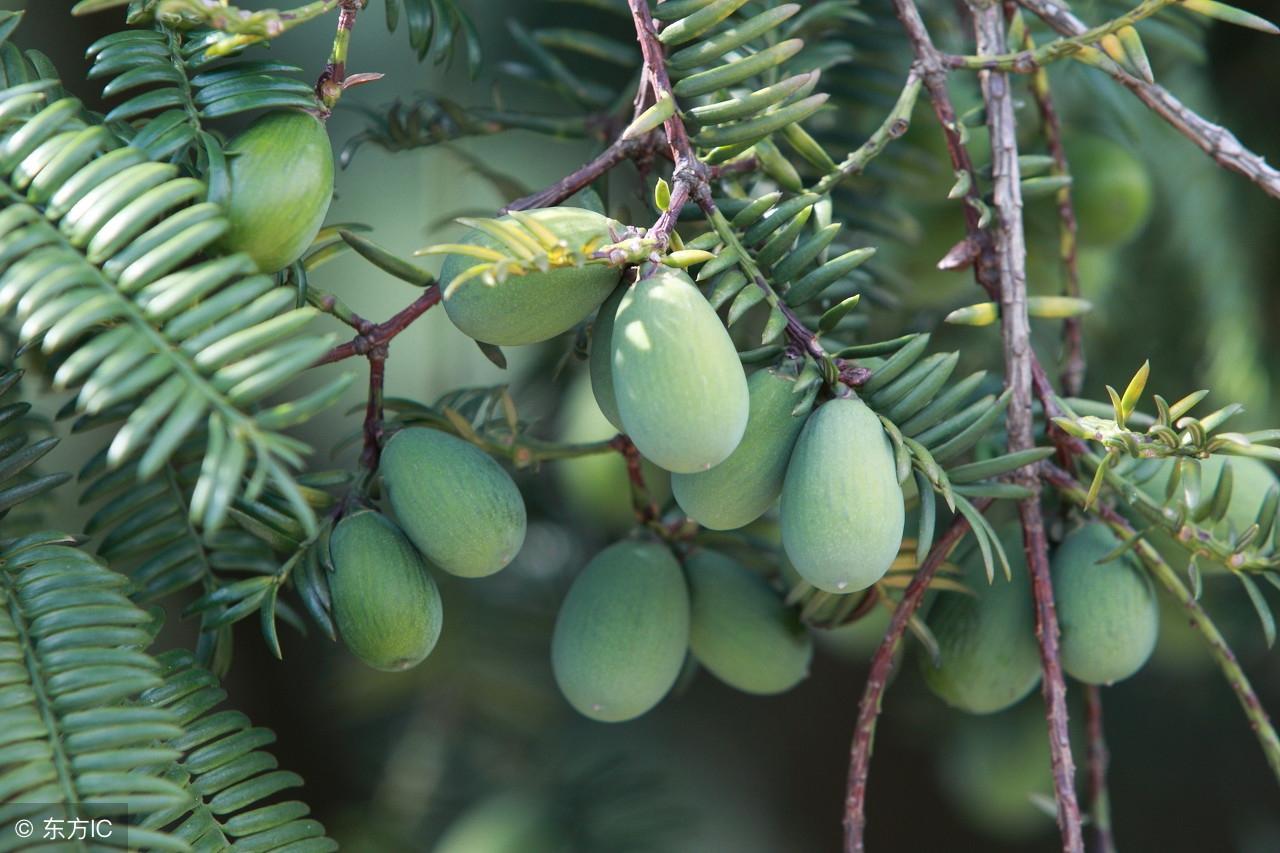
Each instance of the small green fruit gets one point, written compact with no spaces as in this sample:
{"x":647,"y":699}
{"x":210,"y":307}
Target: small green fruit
{"x":986,"y":640}
{"x":622,"y":632}
{"x":681,"y":391}
{"x":458,"y":505}
{"x":741,"y":630}
{"x":842,"y":507}
{"x":280,"y":173}
{"x":1111,"y":189}
{"x":537,"y":306}
{"x":385,"y":603}
{"x":509,"y":822}
{"x":740,"y":489}
{"x":1107,"y":612}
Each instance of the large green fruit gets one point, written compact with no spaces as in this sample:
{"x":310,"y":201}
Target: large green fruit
{"x":842,"y":507}
{"x":525,"y":309}
{"x":455,"y":502}
{"x":1107,"y":612}
{"x":987,"y":642}
{"x":622,"y":632}
{"x":740,"y":630}
{"x":1111,"y":189}
{"x":681,"y":392}
{"x":280,"y":184}
{"x":384,"y":601}
{"x":600,"y":363}
{"x":740,"y":489}
{"x":596,"y":488}
{"x":1251,"y":479}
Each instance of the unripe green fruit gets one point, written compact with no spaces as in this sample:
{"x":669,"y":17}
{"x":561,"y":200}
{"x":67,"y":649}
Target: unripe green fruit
{"x":740,"y":489}
{"x":986,"y":641}
{"x":1251,"y":479}
{"x":741,"y":630}
{"x":681,"y":391}
{"x":1111,"y":189}
{"x":1107,"y":613}
{"x":458,"y":505}
{"x":525,"y":309}
{"x":622,"y":632}
{"x":842,"y":507}
{"x":385,"y":603}
{"x":280,"y":183}
{"x":600,"y":363}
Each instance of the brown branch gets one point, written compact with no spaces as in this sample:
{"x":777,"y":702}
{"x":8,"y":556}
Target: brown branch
{"x":1215,"y":140}
{"x":1073,"y":366}
{"x":381,"y":334}
{"x":372,"y":429}
{"x":641,"y":500}
{"x":618,"y":152}
{"x":855,"y":812}
{"x":1011,"y":253}
{"x":1099,"y":758}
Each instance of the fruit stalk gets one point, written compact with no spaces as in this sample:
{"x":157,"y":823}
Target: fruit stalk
{"x":1259,"y":720}
{"x":855,"y":814}
{"x":1099,"y":757}
{"x":334,"y":77}
{"x":382,"y":333}
{"x":1011,"y":255}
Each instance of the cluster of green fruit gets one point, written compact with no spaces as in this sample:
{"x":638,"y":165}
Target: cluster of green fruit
{"x":988,"y":656}
{"x":457,"y":510}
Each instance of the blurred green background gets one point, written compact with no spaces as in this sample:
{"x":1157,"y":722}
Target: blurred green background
{"x":476,"y":752}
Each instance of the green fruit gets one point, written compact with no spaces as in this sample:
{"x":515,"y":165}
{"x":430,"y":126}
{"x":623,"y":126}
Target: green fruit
{"x":1251,"y":479}
{"x":596,"y":487}
{"x":525,"y":309}
{"x":280,"y":183}
{"x":741,"y":630}
{"x":510,"y":822}
{"x":740,"y":489}
{"x":842,"y":508}
{"x":989,"y":658}
{"x":1111,"y":190}
{"x":1107,"y":612}
{"x":622,"y":631}
{"x":384,"y":601}
{"x":681,"y":392}
{"x":601,"y":360}
{"x":459,"y":507}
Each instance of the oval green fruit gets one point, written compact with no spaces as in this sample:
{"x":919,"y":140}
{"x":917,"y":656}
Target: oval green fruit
{"x":1107,"y":612}
{"x":1111,"y":189}
{"x":740,"y":489}
{"x":741,"y":630}
{"x":525,"y":309}
{"x":385,"y":603}
{"x":681,"y":391}
{"x":458,"y":505}
{"x":989,"y":658}
{"x":622,"y":632}
{"x":842,"y":507}
{"x":600,"y":361}
{"x":509,"y":822}
{"x":280,"y":183}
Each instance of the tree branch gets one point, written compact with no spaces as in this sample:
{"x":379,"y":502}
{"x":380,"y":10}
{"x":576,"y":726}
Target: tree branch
{"x":620,"y":150}
{"x":855,"y":813}
{"x":1215,"y":140}
{"x":381,"y":334}
{"x":1011,"y":253}
{"x":1099,"y":758}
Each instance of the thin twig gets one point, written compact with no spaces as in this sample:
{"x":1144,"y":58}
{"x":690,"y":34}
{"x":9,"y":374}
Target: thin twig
{"x":1099,"y":759}
{"x":1215,"y":140}
{"x":381,"y":334}
{"x":620,"y":151}
{"x":893,"y":127}
{"x":855,"y":812}
{"x":372,"y":430}
{"x":333,"y":80}
{"x":1259,"y":720}
{"x":1011,"y":252}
